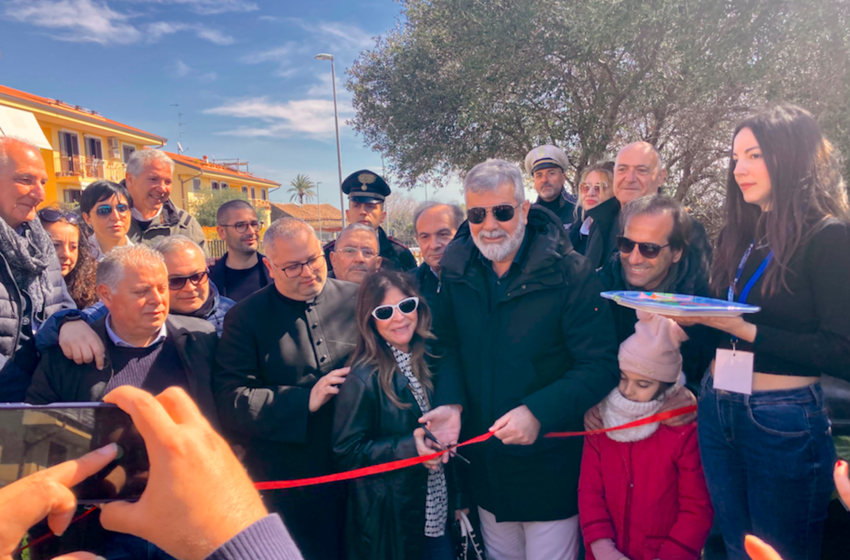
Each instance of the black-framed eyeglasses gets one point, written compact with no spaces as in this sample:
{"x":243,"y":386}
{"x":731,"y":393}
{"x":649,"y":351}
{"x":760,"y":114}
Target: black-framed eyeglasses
{"x":406,"y":306}
{"x":647,"y":250}
{"x":242,"y":227}
{"x":51,"y":216}
{"x":177,"y":282}
{"x":502,"y":213}
{"x":104,"y":210}
{"x":295,"y":270}
{"x":351,"y":251}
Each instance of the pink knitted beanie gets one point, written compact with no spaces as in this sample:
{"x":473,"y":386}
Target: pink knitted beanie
{"x":653,"y":351}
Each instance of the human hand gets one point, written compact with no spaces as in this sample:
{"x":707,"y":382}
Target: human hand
{"x":444,"y":423}
{"x":46,"y":493}
{"x":423,"y":449}
{"x":517,"y":427}
{"x":211,"y":261}
{"x":593,"y":419}
{"x":679,"y":399}
{"x":757,"y":549}
{"x":842,"y":483}
{"x":80,"y":343}
{"x":459,"y":513}
{"x":326,"y":387}
{"x":736,"y":326}
{"x":177,"y":511}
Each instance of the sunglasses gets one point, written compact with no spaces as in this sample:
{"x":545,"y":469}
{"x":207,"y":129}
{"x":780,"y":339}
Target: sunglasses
{"x":105,"y":210}
{"x":647,"y":250}
{"x":51,"y":216}
{"x":242,"y":227}
{"x":178,"y":282}
{"x":406,"y":306}
{"x":502,"y":213}
{"x":587,"y":188}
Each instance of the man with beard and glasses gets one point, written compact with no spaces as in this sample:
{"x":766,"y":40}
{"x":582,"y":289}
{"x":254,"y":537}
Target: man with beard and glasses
{"x":149,"y":180}
{"x":435,"y":224}
{"x":527,"y":346}
{"x":355,"y":253}
{"x":240,"y":271}
{"x":547,"y":165}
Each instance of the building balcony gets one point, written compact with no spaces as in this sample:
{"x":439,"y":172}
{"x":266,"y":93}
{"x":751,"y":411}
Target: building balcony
{"x":89,"y":168}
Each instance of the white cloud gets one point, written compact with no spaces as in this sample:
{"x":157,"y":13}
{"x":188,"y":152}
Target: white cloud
{"x":312,"y":117}
{"x":207,"y":7}
{"x":281,"y":55}
{"x":339,"y":35}
{"x":181,"y":68}
{"x":91,"y":21}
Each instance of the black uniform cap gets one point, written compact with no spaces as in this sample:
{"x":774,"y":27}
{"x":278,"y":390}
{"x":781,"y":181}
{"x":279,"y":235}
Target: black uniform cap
{"x":366,"y":186}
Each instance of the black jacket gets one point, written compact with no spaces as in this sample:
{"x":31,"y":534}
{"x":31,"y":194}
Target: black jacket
{"x":564,"y":207}
{"x":394,"y":255}
{"x":171,"y":221}
{"x":548,"y":344}
{"x":217,"y":274}
{"x":58,"y":379}
{"x":428,"y":283}
{"x":386,"y":513}
{"x":601,"y":241}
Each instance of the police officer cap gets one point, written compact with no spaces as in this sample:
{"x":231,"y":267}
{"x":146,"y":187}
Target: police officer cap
{"x":366,"y":186}
{"x":544,"y":157}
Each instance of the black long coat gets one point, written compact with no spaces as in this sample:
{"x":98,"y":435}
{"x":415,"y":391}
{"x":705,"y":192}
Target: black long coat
{"x":549,"y":344}
{"x":386,"y":513}
{"x":601,"y":241}
{"x":273,"y":350}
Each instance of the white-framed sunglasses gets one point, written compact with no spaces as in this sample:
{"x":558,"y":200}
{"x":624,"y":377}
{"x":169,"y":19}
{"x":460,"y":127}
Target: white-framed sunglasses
{"x":406,"y":306}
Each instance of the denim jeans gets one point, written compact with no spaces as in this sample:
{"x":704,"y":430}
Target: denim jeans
{"x":768,"y":460}
{"x":118,"y":546}
{"x":439,"y":548}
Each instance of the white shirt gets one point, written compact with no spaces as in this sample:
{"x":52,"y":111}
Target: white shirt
{"x":117,"y":341}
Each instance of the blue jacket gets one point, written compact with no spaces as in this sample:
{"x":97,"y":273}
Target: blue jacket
{"x":48,"y":334}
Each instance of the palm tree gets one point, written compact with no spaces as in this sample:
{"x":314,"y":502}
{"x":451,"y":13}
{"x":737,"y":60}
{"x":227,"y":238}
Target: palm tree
{"x":302,"y":187}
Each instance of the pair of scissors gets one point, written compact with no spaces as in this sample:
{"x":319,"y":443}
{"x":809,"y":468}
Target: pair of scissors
{"x":450,"y":448}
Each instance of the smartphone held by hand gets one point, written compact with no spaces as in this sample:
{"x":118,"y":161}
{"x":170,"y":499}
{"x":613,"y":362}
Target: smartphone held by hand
{"x":36,"y":437}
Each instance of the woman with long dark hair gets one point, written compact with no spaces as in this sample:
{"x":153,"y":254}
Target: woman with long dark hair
{"x":768,"y":455}
{"x":79,"y":267}
{"x":400,"y":514}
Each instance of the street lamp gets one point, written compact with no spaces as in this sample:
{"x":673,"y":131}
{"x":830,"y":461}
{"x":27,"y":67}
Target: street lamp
{"x":319,"y":201}
{"x":325,"y":56}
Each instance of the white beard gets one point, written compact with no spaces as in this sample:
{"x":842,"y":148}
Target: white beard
{"x":500,"y":251}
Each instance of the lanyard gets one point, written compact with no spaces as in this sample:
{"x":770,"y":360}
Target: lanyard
{"x":730,"y":294}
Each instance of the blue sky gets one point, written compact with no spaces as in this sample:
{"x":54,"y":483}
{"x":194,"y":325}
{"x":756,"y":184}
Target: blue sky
{"x":242,"y":71}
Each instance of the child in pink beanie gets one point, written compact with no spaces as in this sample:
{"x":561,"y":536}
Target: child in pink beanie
{"x":642,"y":493}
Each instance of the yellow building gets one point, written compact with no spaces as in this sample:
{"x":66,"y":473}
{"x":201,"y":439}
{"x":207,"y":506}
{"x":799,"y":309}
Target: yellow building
{"x":79,"y":146}
{"x":192,"y":175}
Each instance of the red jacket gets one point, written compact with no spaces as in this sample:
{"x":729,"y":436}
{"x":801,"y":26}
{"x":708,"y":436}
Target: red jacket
{"x":649,"y":496}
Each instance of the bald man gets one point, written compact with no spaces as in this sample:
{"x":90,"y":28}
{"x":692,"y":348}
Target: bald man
{"x":31,"y":285}
{"x":638,"y":172}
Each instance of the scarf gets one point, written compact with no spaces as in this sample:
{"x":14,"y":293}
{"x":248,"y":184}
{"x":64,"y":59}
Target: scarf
{"x":28,"y":255}
{"x":618,"y":410}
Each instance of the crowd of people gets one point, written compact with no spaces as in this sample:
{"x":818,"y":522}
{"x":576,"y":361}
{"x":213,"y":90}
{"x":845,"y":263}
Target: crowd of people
{"x":311,"y":360}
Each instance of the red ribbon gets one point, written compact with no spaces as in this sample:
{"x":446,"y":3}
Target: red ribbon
{"x":404,"y":463}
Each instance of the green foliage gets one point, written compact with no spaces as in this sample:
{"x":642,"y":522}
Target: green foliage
{"x":204,"y":205}
{"x":302,"y":187}
{"x":463,"y":80}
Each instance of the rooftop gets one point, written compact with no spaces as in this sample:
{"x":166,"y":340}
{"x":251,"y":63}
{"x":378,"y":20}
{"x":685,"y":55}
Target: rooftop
{"x":205,"y":165}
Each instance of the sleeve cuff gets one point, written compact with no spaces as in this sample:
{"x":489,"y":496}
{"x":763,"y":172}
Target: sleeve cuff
{"x":267,"y":539}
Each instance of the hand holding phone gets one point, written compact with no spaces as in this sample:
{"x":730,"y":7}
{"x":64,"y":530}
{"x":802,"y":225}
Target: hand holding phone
{"x":198,"y":495}
{"x":27,"y":501}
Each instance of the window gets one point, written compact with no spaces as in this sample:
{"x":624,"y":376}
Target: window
{"x":244,"y":189}
{"x":128,"y":151}
{"x":214,"y":185}
{"x":223,"y":185}
{"x":69,"y":150}
{"x":263,"y":193}
{"x":253,"y":193}
{"x":94,"y":147}
{"x":72,"y":196}
{"x":196,"y":184}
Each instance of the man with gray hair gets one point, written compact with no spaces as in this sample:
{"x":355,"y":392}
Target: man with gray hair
{"x":355,"y":253}
{"x":149,"y":181}
{"x":435,"y":225}
{"x":527,"y":347}
{"x":280,"y":360}
{"x":146,"y":348}
{"x":31,"y":285}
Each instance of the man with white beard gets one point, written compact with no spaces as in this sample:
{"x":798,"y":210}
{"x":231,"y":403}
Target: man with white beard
{"x":527,"y":347}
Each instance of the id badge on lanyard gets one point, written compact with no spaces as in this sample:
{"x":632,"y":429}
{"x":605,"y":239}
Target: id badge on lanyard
{"x":733,"y":369}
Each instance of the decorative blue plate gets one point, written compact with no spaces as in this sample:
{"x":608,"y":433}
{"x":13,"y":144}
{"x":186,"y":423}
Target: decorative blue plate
{"x":678,"y":305}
